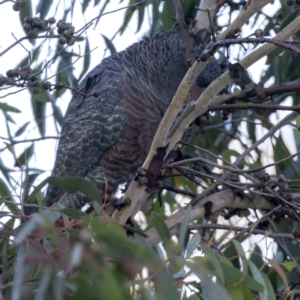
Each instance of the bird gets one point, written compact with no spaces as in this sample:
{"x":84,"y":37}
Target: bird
{"x":115,"y":111}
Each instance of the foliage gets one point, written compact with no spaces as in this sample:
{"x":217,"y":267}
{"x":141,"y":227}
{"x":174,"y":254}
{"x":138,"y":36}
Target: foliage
{"x":246,"y":249}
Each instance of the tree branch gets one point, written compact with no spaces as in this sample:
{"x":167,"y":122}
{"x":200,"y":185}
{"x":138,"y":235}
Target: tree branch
{"x":221,"y":200}
{"x":242,"y":229}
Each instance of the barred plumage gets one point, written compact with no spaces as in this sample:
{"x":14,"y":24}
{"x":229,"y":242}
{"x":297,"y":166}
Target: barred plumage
{"x":106,"y":138}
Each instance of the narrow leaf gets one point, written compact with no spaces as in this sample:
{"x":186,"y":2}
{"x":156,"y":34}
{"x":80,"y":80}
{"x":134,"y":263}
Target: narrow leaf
{"x":85,"y":5}
{"x":24,"y":157}
{"x":43,"y":8}
{"x":193,"y":244}
{"x":73,"y":213}
{"x":279,"y":271}
{"x":6,"y":107}
{"x":215,"y":263}
{"x":71,"y":184}
{"x":257,"y":275}
{"x":41,"y":292}
{"x":24,"y":232}
{"x":269,"y":288}
{"x":24,"y":12}
{"x":21,"y":129}
{"x":18,"y":274}
{"x":86,"y":60}
{"x":160,"y":226}
{"x":241,"y":253}
{"x":289,"y":265}
{"x":183,"y":228}
{"x":39,"y":111}
{"x":109,"y":44}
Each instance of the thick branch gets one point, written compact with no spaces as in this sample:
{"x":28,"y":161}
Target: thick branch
{"x":285,"y":87}
{"x":221,"y":200}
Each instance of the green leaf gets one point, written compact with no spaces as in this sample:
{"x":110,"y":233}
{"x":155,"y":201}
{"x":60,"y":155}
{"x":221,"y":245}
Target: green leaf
{"x":24,"y":157}
{"x":247,"y":294}
{"x":215,"y":263}
{"x":9,"y":118}
{"x":29,"y":179}
{"x":40,"y":199}
{"x":279,"y":271}
{"x":269,"y":288}
{"x":41,"y":291}
{"x":10,"y":148}
{"x":110,"y":287}
{"x":160,"y":226}
{"x":77,"y":39}
{"x":86,"y":59}
{"x":24,"y":12}
{"x":127,"y":18}
{"x":183,"y":228}
{"x":7,"y":229}
{"x":168,"y":13}
{"x":289,"y":18}
{"x":228,"y":153}
{"x":76,"y":185}
{"x":234,"y":276}
{"x":4,"y":191}
{"x":5,"y":194}
{"x":21,"y":129}
{"x":241,"y":253}
{"x":289,"y":265}
{"x":274,"y":55}
{"x":5,"y":267}
{"x":193,"y":244}
{"x":73,"y":213}
{"x":18,"y":273}
{"x":237,"y":292}
{"x":85,"y":5}
{"x":71,"y":184}
{"x":225,"y":261}
{"x":6,"y":107}
{"x":58,"y":115}
{"x":155,"y":16}
{"x":48,"y":246}
{"x":27,"y":229}
{"x":50,"y":215}
{"x":43,"y":8}
{"x":109,"y":44}
{"x":141,"y":14}
{"x":39,"y":112}
{"x":259,"y":278}
{"x":210,"y":290}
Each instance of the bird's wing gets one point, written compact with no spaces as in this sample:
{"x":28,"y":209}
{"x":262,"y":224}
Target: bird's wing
{"x":91,"y":124}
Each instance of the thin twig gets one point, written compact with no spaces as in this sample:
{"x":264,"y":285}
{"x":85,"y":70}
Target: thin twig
{"x":236,"y":228}
{"x":210,"y":22}
{"x":249,"y":228}
{"x":110,"y":12}
{"x":254,"y":106}
{"x":270,"y":133}
{"x":13,"y":93}
{"x":260,"y":40}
